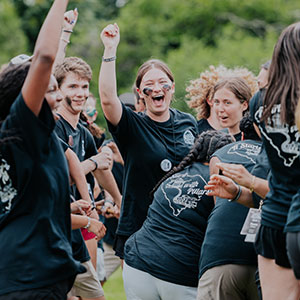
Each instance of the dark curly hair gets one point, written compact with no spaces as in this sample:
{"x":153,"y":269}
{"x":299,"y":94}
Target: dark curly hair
{"x":204,"y":147}
{"x":11,"y":81}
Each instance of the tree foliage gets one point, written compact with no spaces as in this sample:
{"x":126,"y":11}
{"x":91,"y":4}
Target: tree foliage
{"x":188,"y":35}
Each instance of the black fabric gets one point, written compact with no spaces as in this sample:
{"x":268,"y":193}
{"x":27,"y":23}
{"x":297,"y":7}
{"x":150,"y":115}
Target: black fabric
{"x":119,"y":244}
{"x":271,"y":243}
{"x":111,"y":224}
{"x":293,"y":251}
{"x":81,"y":141}
{"x":281,"y":143}
{"x":144,"y":144}
{"x":169,"y":243}
{"x":223,"y":244}
{"x":35,"y":227}
{"x":203,"y":125}
{"x":54,"y":292}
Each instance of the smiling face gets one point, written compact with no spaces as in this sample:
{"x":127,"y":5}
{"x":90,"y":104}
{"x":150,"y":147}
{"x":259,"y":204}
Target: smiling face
{"x":53,"y":94}
{"x":75,"y":91}
{"x":157,"y":90}
{"x":229,"y":109}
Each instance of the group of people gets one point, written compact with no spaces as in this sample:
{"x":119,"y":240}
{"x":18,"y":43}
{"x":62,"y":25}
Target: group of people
{"x":209,"y":209}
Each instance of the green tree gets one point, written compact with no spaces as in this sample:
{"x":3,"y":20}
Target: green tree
{"x":12,"y":38}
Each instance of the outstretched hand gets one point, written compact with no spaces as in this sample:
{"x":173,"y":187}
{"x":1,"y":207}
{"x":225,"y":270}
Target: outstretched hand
{"x":221,"y":186}
{"x":110,"y":36}
{"x":238,"y":173}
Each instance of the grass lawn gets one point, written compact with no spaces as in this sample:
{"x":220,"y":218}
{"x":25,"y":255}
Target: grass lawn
{"x":113,"y":288}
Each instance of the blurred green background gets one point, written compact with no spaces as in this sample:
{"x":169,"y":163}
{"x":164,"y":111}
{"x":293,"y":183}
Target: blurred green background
{"x":188,"y":35}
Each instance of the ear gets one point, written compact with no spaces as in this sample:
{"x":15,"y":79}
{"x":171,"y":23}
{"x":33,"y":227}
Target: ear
{"x":173,"y":88}
{"x":209,"y":102}
{"x":140,"y":93}
{"x":245,"y":105}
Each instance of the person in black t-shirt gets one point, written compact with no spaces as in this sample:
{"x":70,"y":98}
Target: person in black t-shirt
{"x":35,"y":226}
{"x":73,"y":77}
{"x":174,"y":229}
{"x":151,"y":142}
{"x":276,"y":122}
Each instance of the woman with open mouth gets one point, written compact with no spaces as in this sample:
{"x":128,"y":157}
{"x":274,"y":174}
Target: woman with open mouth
{"x":231,"y":97}
{"x":152,"y":142}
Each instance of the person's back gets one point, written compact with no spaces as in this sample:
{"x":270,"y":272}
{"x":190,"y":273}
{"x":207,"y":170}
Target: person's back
{"x":224,"y":247}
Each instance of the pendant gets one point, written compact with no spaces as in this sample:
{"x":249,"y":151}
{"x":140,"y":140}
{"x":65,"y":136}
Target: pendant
{"x":166,"y":165}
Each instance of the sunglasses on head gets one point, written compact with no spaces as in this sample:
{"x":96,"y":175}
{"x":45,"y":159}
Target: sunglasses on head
{"x":148,"y":91}
{"x":20,"y":59}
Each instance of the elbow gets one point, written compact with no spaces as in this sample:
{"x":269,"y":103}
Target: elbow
{"x":45,"y":57}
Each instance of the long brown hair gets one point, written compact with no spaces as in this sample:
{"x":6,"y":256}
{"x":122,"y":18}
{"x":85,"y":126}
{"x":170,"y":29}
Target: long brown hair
{"x":284,"y":76}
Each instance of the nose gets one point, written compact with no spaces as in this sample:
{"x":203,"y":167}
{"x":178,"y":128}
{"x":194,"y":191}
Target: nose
{"x":59,"y":96}
{"x":156,"y":86}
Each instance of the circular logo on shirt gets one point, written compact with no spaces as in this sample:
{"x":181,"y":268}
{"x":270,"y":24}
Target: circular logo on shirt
{"x":166,"y":165}
{"x":188,"y":137}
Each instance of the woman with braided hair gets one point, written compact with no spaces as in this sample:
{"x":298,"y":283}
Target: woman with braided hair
{"x":161,"y":259}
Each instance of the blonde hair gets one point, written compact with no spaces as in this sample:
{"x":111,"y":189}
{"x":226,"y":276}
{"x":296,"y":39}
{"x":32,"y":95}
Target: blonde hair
{"x":201,"y":90}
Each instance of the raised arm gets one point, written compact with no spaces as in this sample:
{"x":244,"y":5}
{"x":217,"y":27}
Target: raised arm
{"x":37,"y":80}
{"x":70,"y":20}
{"x":110,"y":102}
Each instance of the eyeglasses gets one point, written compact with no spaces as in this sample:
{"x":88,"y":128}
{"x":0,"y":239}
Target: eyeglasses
{"x":148,"y":91}
{"x":20,"y":59}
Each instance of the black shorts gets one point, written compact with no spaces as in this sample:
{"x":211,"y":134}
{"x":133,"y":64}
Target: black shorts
{"x":119,"y":244}
{"x":271,"y":243}
{"x":293,"y":249}
{"x":57,"y":291}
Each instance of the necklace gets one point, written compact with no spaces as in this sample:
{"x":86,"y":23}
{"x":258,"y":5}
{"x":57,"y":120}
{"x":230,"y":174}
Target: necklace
{"x":166,"y":163}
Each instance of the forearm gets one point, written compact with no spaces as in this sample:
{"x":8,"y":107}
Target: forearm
{"x":79,"y":221}
{"x":61,"y":53}
{"x":48,"y":38}
{"x":106,"y":179}
{"x":246,"y":198}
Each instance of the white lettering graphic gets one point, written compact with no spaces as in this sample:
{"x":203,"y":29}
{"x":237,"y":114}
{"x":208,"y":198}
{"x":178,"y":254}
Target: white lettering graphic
{"x":189,"y":190}
{"x":289,"y":149}
{"x":7,"y":191}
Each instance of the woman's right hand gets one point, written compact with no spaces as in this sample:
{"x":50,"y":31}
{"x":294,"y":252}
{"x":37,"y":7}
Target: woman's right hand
{"x":110,"y":36}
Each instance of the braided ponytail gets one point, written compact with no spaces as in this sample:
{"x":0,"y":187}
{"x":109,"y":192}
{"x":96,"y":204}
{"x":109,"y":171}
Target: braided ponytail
{"x":204,"y":147}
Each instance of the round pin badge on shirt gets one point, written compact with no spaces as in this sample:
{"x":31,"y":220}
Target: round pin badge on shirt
{"x":166,"y":165}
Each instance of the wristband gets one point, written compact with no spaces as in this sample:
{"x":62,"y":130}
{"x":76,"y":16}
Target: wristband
{"x":109,"y":59}
{"x":88,"y":224}
{"x":109,"y":201}
{"x":96,"y":164}
{"x":68,"y":31}
{"x":236,"y":198}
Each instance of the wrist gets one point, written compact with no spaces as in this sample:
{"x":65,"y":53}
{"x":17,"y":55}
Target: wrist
{"x":94,"y":162}
{"x":251,"y":188}
{"x":88,"y":223}
{"x":238,"y":194}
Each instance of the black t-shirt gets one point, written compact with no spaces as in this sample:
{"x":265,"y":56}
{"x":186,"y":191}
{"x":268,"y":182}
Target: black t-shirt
{"x":82,"y":143}
{"x":168,"y":244}
{"x":223,"y":243}
{"x":148,"y":148}
{"x":111,"y":224}
{"x":203,"y":125}
{"x":281,"y":143}
{"x":35,"y":228}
